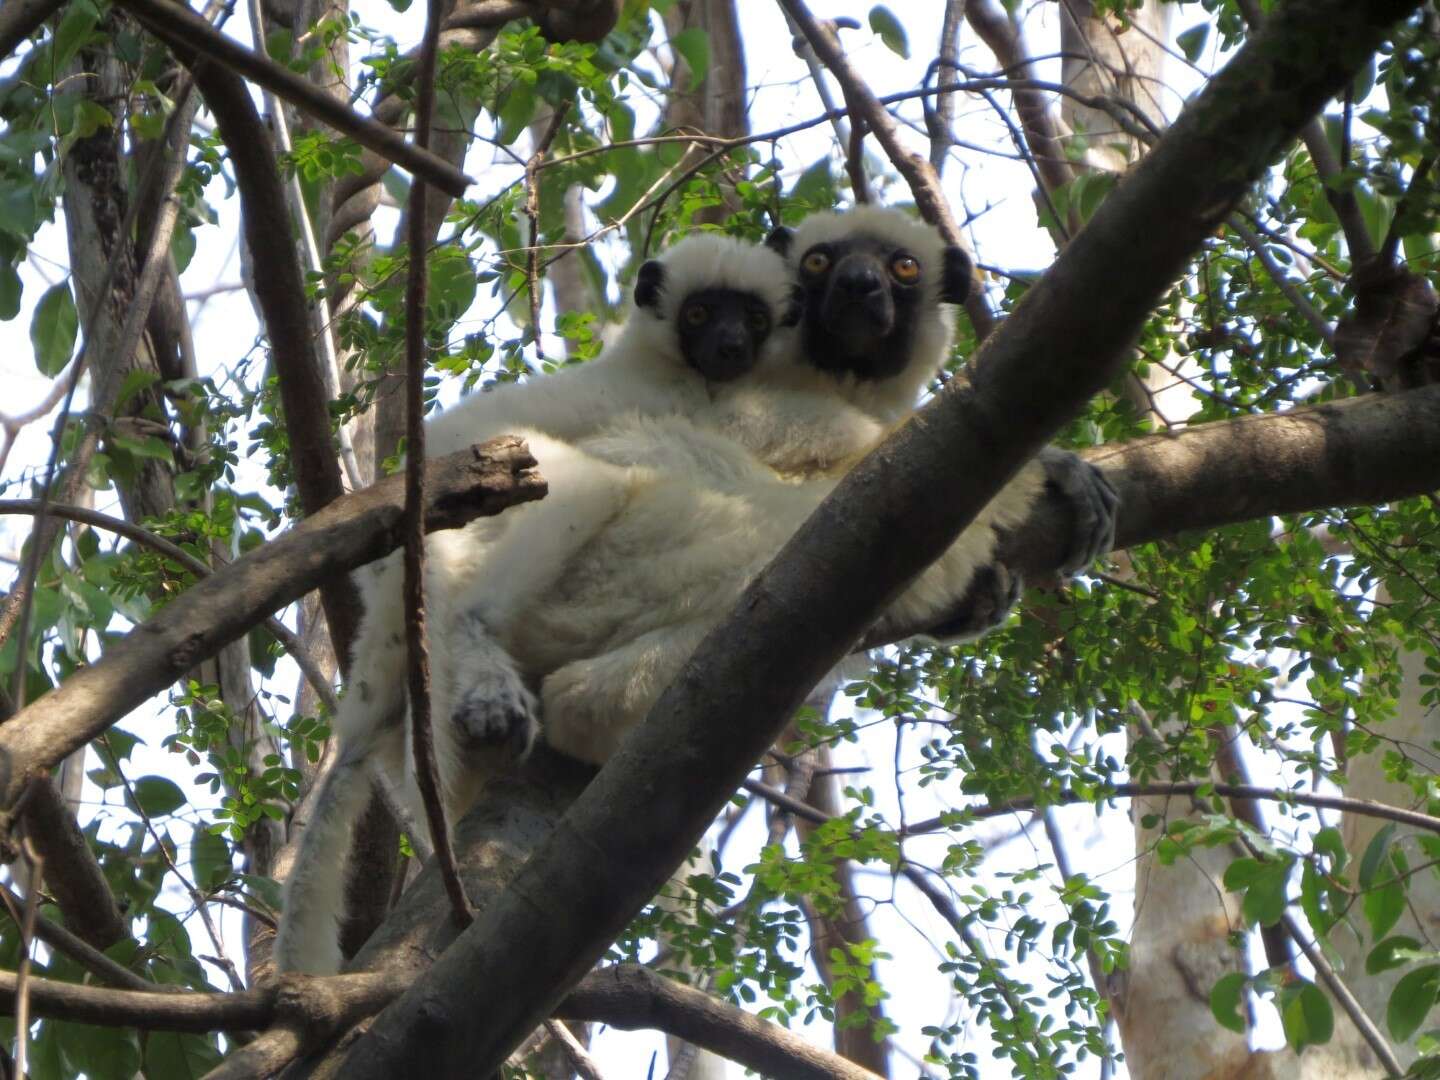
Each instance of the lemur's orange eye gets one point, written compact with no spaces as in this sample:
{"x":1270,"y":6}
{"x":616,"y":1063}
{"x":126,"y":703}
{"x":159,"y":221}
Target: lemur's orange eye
{"x":906,"y":269}
{"x":815,"y":262}
{"x":697,"y":315}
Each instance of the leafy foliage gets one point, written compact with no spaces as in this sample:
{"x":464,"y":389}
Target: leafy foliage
{"x":1289,"y":644}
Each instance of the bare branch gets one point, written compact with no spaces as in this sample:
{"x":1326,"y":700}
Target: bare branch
{"x":76,"y":879}
{"x":1364,"y":451}
{"x":1364,"y":807}
{"x":1000,"y":34}
{"x":629,"y":997}
{"x":87,"y":956}
{"x":580,"y":1061}
{"x":280,"y":292}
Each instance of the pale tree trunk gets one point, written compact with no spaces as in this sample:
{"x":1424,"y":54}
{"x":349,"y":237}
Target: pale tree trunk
{"x":1414,"y":728}
{"x":566,"y":275}
{"x":1181,"y":939}
{"x":847,"y":926}
{"x":1104,"y":57}
{"x":717,"y":105}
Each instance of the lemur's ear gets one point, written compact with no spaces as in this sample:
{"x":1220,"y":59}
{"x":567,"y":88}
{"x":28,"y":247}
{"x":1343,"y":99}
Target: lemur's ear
{"x":780,"y":239}
{"x":648,"y":284}
{"x":957,"y":276}
{"x":794,"y":307}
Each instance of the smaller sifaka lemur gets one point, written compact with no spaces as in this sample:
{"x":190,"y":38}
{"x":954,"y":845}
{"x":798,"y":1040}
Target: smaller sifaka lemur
{"x":592,"y":599}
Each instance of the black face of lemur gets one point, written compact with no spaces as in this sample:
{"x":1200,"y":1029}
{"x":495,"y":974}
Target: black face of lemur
{"x":862,"y":297}
{"x":720,"y":330}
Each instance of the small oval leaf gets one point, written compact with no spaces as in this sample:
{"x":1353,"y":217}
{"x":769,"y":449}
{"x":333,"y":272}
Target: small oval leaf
{"x":891,"y":32}
{"x":1411,"y":1001}
{"x":157,"y":796}
{"x":1226,"y":998}
{"x":53,"y":328}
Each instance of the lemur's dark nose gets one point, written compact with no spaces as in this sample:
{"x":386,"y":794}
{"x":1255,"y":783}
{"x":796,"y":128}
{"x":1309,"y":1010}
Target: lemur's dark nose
{"x":732,"y":345}
{"x":859,"y":280}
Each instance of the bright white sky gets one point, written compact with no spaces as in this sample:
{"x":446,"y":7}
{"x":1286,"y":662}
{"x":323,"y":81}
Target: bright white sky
{"x":1004,"y":234}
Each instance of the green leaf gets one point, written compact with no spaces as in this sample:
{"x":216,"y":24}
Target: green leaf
{"x":515,"y":113}
{"x":1411,"y":1000}
{"x":1226,"y":997}
{"x":1242,"y":873}
{"x":892,"y":33}
{"x":99,"y":1052}
{"x":157,"y":796}
{"x":1387,"y":954}
{"x":210,"y":858}
{"x":10,"y":290}
{"x":1192,"y":41}
{"x":1383,"y":908}
{"x":136,"y":380}
{"x":1265,"y":900}
{"x":182,"y":1056}
{"x":1328,"y":841}
{"x":53,"y":328}
{"x":693,"y":45}
{"x":1374,"y":853}
{"x":1306,"y":1015}
{"x":1364,"y":82}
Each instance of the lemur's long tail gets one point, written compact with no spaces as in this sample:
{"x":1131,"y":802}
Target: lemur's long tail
{"x":308,"y":939}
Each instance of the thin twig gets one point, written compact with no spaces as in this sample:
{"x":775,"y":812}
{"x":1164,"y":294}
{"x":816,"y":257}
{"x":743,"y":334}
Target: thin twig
{"x":532,"y":211}
{"x":1363,"y":807}
{"x":177,"y":25}
{"x":36,"y":867}
{"x":940,"y":117}
{"x":1391,"y":247}
{"x":581,"y":1062}
{"x":422,"y":741}
{"x":11,"y":425}
{"x":196,"y":897}
{"x":1352,"y":1007}
{"x":83,"y":953}
{"x":1297,"y":299}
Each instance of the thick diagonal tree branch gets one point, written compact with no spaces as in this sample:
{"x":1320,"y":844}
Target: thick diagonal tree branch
{"x":894,"y":514}
{"x":350,"y":532}
{"x":1369,"y":450}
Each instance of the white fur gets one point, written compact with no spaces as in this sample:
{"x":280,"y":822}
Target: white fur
{"x":666,"y":498}
{"x":641,"y":374}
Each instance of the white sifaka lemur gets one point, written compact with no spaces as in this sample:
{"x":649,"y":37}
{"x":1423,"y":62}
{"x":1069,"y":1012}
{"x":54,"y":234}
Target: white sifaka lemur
{"x":655,"y":523}
{"x":707,"y":312}
{"x":685,"y":512}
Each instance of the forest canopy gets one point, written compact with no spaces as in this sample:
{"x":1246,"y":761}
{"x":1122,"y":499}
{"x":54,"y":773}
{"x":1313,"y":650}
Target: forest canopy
{"x":1177,"y":817}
